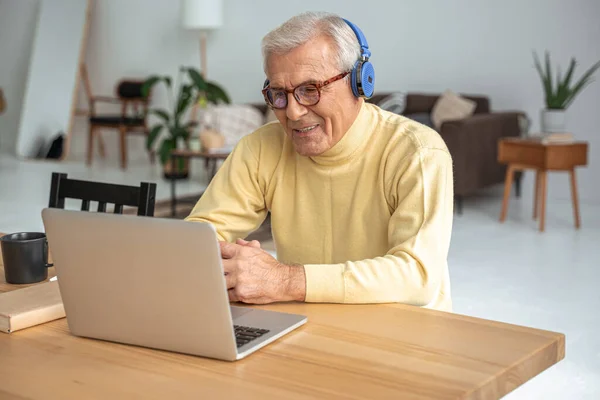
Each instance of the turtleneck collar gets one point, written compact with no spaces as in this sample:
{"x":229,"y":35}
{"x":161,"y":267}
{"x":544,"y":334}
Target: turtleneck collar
{"x":356,"y":136}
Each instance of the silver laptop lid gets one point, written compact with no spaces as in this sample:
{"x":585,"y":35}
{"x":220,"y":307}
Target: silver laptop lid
{"x":146,"y":281}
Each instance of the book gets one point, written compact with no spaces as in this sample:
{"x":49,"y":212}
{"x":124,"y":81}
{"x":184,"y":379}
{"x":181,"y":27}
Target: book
{"x":551,"y":138}
{"x":30,"y":306}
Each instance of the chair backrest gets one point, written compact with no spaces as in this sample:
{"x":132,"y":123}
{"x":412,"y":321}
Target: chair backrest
{"x":143,"y":197}
{"x":130,"y":93}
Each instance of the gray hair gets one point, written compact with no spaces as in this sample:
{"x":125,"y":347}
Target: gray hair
{"x":303,"y":27}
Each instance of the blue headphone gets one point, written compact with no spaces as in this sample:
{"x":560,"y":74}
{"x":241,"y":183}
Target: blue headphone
{"x":363,"y":74}
{"x":362,"y":77}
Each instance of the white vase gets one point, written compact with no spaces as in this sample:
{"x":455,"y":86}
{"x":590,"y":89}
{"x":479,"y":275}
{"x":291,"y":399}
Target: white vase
{"x":553,"y":121}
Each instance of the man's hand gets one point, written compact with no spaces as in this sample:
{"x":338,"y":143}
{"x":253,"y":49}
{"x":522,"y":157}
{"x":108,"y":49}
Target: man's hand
{"x":254,"y":276}
{"x":253,"y":243}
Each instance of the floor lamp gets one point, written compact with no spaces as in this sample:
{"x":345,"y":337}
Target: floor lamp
{"x":201,"y":16}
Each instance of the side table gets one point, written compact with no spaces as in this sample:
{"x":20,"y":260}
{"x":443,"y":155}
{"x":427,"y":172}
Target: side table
{"x":211,"y":166}
{"x":521,"y":154}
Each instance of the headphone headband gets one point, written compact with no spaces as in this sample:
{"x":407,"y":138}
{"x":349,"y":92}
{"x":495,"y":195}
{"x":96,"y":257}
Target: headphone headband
{"x":362,"y":40}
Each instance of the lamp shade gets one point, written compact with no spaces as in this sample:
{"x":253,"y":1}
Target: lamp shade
{"x":202,"y":14}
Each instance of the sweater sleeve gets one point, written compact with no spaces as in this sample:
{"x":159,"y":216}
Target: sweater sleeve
{"x":421,"y":195}
{"x":233,"y":201}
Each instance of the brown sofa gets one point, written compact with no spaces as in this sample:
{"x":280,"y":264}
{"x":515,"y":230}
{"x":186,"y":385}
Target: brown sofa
{"x":472,"y":142}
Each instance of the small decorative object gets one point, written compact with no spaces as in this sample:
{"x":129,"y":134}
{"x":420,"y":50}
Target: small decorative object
{"x":211,"y":139}
{"x":560,"y":96}
{"x":193,"y":88}
{"x":194,"y":144}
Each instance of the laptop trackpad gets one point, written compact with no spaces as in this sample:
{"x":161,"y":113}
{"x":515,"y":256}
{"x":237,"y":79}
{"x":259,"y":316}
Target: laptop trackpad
{"x":237,"y":312}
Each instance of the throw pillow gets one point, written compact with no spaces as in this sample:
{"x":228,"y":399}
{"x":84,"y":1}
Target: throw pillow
{"x":451,"y":106}
{"x":231,"y":120}
{"x":395,"y":102}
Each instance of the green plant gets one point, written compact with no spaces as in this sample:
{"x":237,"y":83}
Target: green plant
{"x":191,"y":88}
{"x":559,"y":97}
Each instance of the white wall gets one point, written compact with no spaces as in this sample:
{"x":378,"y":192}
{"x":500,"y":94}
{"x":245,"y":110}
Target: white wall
{"x":466,"y":45}
{"x":52,"y":76}
{"x":17,"y":22}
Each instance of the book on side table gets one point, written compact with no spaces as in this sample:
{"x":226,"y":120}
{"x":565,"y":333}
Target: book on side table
{"x":30,"y":306}
{"x":552,"y":138}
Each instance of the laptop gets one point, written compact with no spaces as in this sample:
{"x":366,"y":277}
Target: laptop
{"x":153,"y":282}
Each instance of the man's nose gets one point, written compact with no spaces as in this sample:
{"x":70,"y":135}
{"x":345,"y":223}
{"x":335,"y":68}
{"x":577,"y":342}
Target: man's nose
{"x":294,"y":110}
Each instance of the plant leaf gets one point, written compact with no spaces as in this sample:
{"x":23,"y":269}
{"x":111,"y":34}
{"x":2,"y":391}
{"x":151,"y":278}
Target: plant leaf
{"x":162,"y":114}
{"x":585,"y":80}
{"x":545,"y":80}
{"x":563,"y":90}
{"x":214,"y":93}
{"x":179,"y":132}
{"x":148,"y":83}
{"x":549,"y":88}
{"x":164,"y":152}
{"x":185,"y":99}
{"x":153,"y":135}
{"x":198,"y":80}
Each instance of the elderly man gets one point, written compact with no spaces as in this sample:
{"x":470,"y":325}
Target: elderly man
{"x":361,"y":200}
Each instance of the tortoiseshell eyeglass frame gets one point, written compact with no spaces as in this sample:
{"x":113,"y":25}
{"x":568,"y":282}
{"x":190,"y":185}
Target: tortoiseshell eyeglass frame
{"x":294,"y":91}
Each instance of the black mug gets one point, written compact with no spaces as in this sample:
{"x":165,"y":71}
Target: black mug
{"x":25,"y":256}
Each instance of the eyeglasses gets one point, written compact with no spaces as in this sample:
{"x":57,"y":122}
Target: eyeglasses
{"x":307,"y":95}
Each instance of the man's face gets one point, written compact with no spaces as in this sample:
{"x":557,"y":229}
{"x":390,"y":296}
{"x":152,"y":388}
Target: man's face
{"x":313,"y":129}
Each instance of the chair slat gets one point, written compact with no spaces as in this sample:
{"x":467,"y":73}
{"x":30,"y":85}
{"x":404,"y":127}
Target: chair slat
{"x":143,"y":197}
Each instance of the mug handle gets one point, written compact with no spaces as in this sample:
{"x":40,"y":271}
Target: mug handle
{"x":48,"y":265}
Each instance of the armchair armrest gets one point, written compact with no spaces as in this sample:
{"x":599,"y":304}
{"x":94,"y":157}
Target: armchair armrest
{"x":481,"y":127}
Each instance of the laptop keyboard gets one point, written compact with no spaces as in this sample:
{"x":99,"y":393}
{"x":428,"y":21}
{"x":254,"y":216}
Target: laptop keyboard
{"x":246,"y":334}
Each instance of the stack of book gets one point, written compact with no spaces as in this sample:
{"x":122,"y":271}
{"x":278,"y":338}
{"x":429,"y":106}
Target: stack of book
{"x":552,"y":138}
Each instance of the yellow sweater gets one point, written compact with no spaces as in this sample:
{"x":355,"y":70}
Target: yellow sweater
{"x":370,"y":219}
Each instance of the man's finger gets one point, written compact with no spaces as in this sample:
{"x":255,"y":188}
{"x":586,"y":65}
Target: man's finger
{"x":228,"y":250}
{"x":253,"y":243}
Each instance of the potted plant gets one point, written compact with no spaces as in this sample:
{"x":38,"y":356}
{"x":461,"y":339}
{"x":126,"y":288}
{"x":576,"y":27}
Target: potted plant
{"x":559,"y":96}
{"x":190,"y":88}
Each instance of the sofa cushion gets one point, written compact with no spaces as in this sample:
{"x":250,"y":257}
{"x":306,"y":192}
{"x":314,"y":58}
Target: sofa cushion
{"x":451,"y":106}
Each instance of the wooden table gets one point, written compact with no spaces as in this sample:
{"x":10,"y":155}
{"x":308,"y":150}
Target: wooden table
{"x":344,"y":351}
{"x":522,"y":154}
{"x":211,"y":160}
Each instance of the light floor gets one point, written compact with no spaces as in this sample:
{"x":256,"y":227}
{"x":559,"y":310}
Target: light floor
{"x":508,"y":272}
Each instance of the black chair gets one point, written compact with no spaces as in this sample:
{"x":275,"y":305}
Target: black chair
{"x":143,"y":197}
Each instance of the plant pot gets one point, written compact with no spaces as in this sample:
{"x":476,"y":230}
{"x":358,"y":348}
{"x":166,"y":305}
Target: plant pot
{"x":553,"y":121}
{"x":177,"y":173}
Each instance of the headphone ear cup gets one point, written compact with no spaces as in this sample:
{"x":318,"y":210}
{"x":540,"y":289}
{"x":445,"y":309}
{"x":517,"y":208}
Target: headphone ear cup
{"x":367,"y":79}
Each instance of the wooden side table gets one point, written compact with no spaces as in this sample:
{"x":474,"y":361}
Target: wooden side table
{"x":522,"y":154}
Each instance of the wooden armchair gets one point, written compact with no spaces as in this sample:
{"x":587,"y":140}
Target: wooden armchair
{"x":132,"y":118}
